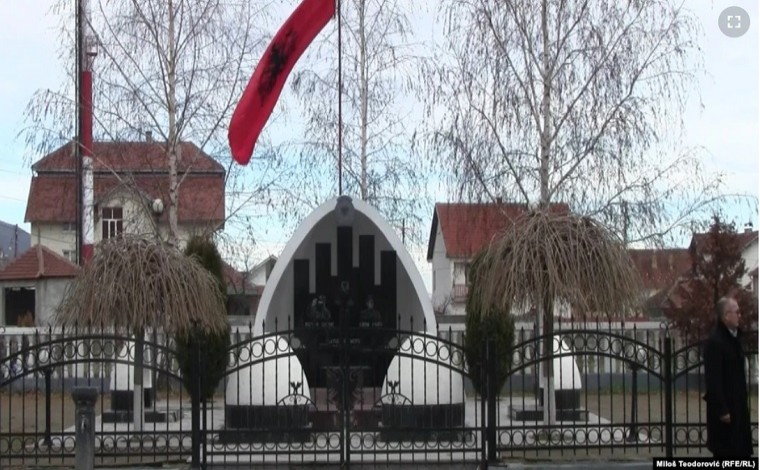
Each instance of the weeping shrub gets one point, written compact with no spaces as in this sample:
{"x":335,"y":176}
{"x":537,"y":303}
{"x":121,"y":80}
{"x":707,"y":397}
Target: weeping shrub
{"x":482,"y":324}
{"x":212,"y":346}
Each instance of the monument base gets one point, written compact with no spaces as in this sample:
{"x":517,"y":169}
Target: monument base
{"x":422,"y":422}
{"x":245,"y":436}
{"x":151,"y":416}
{"x":536,"y":413}
{"x":123,"y":400}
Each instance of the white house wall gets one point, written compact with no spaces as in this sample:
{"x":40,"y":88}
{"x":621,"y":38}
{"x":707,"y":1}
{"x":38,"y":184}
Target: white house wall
{"x":750,"y":261}
{"x":259,"y":276}
{"x":53,"y":236}
{"x":442,"y":272}
{"x":137,"y":221}
{"x":48,"y":297}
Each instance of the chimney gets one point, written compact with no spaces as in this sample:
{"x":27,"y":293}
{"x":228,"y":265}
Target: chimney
{"x":148,"y":136}
{"x":748,"y":227}
{"x":498,"y":200}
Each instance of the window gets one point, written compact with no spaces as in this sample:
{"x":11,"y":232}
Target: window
{"x":70,"y":255}
{"x":113,"y":223}
{"x":461,"y":273}
{"x":70,"y":227}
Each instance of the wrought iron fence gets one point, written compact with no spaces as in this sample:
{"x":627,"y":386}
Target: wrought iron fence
{"x":326,"y":394}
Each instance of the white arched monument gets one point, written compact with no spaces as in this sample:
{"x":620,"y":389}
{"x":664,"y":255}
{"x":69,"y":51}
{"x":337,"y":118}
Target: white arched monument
{"x":345,"y":240}
{"x":423,"y":389}
{"x":123,"y":380}
{"x":268,"y":392}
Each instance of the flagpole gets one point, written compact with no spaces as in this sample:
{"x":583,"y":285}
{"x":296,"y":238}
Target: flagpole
{"x":340,"y":105}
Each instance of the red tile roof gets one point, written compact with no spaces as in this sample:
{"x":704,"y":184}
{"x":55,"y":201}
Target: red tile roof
{"x":660,"y":268}
{"x":745,"y":238}
{"x":38,"y":262}
{"x":130,"y":157}
{"x":233,"y":277}
{"x":142,"y":166}
{"x":467,"y":228}
{"x":52,"y":197}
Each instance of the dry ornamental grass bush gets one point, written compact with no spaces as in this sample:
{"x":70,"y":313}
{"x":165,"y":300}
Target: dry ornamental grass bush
{"x":134,"y":283}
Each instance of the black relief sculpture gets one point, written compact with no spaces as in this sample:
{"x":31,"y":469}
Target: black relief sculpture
{"x":347,"y":319}
{"x":301,"y":295}
{"x":386,"y":298}
{"x":318,"y":311}
{"x":370,"y":316}
{"x":345,"y":253}
{"x":323,"y":270}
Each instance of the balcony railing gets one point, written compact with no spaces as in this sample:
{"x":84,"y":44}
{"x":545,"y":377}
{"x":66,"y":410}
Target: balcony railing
{"x":459,"y":292}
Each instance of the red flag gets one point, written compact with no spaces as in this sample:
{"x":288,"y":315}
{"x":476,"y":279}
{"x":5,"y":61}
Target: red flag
{"x":264,"y":87}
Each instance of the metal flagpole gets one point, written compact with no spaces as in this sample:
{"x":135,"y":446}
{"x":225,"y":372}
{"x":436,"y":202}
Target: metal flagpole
{"x":340,"y":104}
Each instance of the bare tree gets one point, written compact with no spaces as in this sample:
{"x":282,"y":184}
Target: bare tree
{"x":568,"y":101}
{"x":174,"y":68}
{"x":573,"y":101}
{"x":378,"y":82}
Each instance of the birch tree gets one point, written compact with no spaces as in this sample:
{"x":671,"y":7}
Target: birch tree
{"x":577,"y":101}
{"x":379,"y":56}
{"x":174,"y":68}
{"x":567,"y":101}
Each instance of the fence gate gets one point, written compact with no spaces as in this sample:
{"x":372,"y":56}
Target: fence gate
{"x":618,"y":393}
{"x":38,"y":371}
{"x":339,"y":395}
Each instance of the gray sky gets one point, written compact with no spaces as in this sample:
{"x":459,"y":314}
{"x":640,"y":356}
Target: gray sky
{"x":727,"y":126}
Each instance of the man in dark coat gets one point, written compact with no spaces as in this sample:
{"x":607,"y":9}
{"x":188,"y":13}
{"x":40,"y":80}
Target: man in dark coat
{"x":728,"y":427}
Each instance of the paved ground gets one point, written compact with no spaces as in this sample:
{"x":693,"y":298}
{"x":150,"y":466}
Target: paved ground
{"x":578,"y":465}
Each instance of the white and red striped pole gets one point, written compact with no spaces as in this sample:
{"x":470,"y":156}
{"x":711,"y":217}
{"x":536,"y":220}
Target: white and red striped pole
{"x":88,"y":52}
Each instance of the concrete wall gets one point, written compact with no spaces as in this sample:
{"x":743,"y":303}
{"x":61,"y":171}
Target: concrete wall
{"x":48,"y":297}
{"x":48,"y":294}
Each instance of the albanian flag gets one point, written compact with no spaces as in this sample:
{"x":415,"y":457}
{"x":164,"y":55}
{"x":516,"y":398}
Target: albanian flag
{"x":264,"y":87}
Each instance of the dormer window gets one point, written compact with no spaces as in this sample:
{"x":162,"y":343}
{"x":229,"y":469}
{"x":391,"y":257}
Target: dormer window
{"x":113,"y":222}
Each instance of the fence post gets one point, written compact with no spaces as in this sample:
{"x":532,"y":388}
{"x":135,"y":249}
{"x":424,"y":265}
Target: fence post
{"x":668,"y":374}
{"x":48,"y":404}
{"x":195,"y":397}
{"x":484,"y":406}
{"x":491,"y":396}
{"x":84,"y":399}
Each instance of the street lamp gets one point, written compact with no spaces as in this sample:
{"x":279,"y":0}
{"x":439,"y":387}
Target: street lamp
{"x":157,"y":206}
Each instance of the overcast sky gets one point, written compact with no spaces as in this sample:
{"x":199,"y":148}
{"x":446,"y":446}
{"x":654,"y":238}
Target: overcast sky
{"x":727,"y":125}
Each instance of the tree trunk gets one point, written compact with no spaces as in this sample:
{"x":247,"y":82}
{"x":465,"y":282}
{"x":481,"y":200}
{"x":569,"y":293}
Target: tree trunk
{"x":172,"y":144}
{"x":364,"y":98}
{"x":543,"y":171}
{"x":547,"y":303}
{"x":550,"y":405}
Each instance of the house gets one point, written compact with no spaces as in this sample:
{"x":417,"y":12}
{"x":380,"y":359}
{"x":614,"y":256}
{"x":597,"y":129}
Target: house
{"x":128,"y":178}
{"x":13,"y":242}
{"x":459,"y":231}
{"x":34,"y":282}
{"x":131,"y":187}
{"x":672,"y":295}
{"x":658,"y":270}
{"x":244,"y":289}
